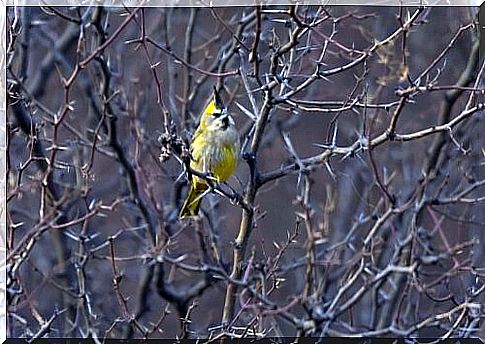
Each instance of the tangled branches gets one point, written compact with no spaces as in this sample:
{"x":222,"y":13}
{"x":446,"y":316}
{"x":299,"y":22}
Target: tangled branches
{"x":355,"y":208}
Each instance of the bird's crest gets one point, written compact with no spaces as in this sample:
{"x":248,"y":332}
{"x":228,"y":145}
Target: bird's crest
{"x":217,"y":99}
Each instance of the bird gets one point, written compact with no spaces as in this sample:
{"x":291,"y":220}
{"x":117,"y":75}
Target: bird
{"x":214,"y":151}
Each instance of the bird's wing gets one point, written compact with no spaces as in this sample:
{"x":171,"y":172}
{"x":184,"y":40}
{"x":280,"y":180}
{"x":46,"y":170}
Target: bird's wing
{"x":196,"y":135}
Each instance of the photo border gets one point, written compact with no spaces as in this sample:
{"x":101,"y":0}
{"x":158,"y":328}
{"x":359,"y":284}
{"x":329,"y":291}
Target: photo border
{"x":479,"y":4}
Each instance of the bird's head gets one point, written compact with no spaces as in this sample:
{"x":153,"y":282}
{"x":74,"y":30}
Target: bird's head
{"x":215,"y":115}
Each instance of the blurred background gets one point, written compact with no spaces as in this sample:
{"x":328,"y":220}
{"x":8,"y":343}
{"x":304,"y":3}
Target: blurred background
{"x":102,"y":103}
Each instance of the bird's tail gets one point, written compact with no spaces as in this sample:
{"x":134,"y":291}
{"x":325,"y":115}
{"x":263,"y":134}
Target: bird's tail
{"x":192,"y":201}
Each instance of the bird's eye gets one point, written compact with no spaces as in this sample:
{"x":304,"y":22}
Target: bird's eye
{"x":218,"y":113}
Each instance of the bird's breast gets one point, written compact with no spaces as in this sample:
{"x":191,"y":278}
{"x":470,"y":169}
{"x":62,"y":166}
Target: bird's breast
{"x":219,"y":154}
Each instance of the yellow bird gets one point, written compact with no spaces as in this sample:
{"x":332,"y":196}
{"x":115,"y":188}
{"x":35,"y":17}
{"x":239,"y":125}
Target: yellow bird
{"x":214,"y":150}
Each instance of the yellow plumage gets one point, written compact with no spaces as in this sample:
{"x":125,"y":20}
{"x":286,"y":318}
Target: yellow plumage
{"x":214,"y":150}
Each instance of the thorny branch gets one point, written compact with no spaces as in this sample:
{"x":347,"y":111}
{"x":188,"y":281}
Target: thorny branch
{"x":354,"y":210}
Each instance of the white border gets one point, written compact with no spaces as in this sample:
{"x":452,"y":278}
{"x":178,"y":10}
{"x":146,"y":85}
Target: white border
{"x":145,"y":3}
{"x":219,"y":3}
{"x":3,"y":171}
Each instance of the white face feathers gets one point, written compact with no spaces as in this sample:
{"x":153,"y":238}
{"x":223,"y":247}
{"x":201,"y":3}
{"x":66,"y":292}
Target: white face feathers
{"x":219,"y":120}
